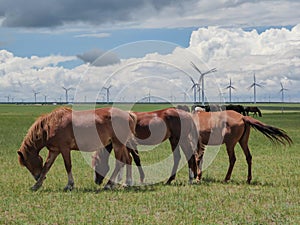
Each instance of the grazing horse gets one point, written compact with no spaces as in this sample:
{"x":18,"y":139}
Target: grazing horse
{"x":230,"y":128}
{"x":153,"y":128}
{"x":253,"y":109}
{"x":63,"y":130}
{"x":238,"y":108}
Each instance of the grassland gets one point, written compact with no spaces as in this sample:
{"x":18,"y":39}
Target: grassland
{"x":272,"y":198}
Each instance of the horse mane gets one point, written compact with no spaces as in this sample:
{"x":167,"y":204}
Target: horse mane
{"x":41,"y":127}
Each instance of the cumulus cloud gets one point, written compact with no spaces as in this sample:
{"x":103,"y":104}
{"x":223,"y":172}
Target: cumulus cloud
{"x":272,"y":55}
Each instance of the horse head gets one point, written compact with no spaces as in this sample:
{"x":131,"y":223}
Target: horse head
{"x":32,"y":161}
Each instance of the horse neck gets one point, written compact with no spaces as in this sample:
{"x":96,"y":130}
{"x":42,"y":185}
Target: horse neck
{"x":32,"y":146}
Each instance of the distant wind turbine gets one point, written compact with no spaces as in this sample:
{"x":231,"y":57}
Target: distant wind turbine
{"x":8,"y":97}
{"x":35,"y":94}
{"x":253,"y":85}
{"x":282,"y":90}
{"x":107,"y":92}
{"x":229,"y":87}
{"x":201,"y":78}
{"x":67,"y":90}
{"x":195,"y":86}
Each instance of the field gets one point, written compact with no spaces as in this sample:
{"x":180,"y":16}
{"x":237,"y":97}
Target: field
{"x":272,"y":198}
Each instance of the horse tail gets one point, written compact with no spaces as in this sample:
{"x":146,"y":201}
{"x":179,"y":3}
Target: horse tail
{"x":276,"y":135}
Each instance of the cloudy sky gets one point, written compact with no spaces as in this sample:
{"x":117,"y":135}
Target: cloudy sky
{"x":141,"y":47}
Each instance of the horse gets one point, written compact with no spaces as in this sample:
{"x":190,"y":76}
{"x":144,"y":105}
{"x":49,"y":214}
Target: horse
{"x":183,"y":107}
{"x":229,"y":128}
{"x":238,"y":108}
{"x":63,"y":130}
{"x":253,"y":109}
{"x":155,"y":127}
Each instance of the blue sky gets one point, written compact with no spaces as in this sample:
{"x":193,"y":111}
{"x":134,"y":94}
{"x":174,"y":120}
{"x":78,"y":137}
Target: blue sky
{"x":238,"y":37}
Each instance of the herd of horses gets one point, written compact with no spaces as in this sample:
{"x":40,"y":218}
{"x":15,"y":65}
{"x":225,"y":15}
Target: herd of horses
{"x":215,"y":108}
{"x":106,"y":129}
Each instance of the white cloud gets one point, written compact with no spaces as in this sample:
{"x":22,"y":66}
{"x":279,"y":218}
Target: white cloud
{"x":272,"y":55}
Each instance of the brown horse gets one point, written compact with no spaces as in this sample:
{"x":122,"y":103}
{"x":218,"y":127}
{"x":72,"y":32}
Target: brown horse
{"x":230,"y":128}
{"x":253,"y":109}
{"x":64,"y":130}
{"x":157,"y":126}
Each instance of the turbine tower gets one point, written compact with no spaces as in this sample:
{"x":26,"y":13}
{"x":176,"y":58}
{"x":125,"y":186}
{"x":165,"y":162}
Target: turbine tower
{"x":67,"y":90}
{"x":35,"y":94}
{"x":107,"y":92}
{"x":229,"y":87}
{"x":201,"y":78}
{"x":253,"y":85}
{"x":282,"y":90}
{"x":195,"y":86}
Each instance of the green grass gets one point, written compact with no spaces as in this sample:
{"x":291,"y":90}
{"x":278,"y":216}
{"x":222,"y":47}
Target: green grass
{"x":272,"y":198}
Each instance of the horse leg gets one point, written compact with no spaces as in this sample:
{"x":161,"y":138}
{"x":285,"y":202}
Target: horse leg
{"x":232,"y":159}
{"x":102,"y":169}
{"x":176,"y":157}
{"x":194,"y":170}
{"x":244,"y":144}
{"x":135,"y":154}
{"x":49,"y":162}
{"x":66,"y":154}
{"x":122,"y":157}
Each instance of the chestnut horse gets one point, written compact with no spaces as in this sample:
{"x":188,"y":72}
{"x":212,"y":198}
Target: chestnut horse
{"x":153,"y":128}
{"x":63,"y":130}
{"x":229,"y":128}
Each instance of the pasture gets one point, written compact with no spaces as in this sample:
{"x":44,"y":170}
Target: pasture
{"x":272,"y":198}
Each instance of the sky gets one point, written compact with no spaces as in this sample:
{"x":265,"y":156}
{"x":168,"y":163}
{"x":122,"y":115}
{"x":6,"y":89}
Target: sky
{"x":140,"y":48}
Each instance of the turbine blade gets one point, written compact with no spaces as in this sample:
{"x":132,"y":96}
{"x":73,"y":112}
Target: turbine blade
{"x":196,"y":68}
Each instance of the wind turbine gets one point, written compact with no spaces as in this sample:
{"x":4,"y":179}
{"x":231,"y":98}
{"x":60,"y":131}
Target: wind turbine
{"x":67,"y":90}
{"x":282,"y":92}
{"x":107,"y":92}
{"x":45,"y":98}
{"x":35,"y":94}
{"x":229,"y":87}
{"x":201,"y":78}
{"x":253,"y":85}
{"x":195,"y":86}
{"x":8,"y":97}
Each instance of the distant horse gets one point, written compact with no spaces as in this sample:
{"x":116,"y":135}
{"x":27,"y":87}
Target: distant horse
{"x":63,"y":130}
{"x":183,"y":107}
{"x":253,"y":109}
{"x":229,"y":128}
{"x":153,"y":128}
{"x":238,"y":108}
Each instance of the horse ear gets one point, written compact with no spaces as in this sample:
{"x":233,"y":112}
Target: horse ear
{"x":21,"y":158}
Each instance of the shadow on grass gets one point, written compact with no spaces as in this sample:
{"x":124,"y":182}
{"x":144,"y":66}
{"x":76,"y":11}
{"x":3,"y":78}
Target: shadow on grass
{"x":210,"y":180}
{"x":100,"y":189}
{"x":206,"y":181}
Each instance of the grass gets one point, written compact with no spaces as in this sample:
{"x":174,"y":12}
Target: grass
{"x":272,"y":198}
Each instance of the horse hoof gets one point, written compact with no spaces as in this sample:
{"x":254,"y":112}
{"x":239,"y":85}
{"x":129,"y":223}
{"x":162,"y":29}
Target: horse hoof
{"x":107,"y":187}
{"x":68,"y":187}
{"x":35,"y":187}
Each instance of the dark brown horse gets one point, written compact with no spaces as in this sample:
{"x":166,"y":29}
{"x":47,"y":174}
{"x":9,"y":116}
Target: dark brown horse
{"x":230,"y":128}
{"x":155,"y":127}
{"x":64,"y":130}
{"x":253,"y":109}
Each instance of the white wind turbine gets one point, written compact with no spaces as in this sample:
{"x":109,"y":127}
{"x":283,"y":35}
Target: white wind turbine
{"x":229,"y":87}
{"x":253,"y":85}
{"x":282,"y":90}
{"x":201,"y":78}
